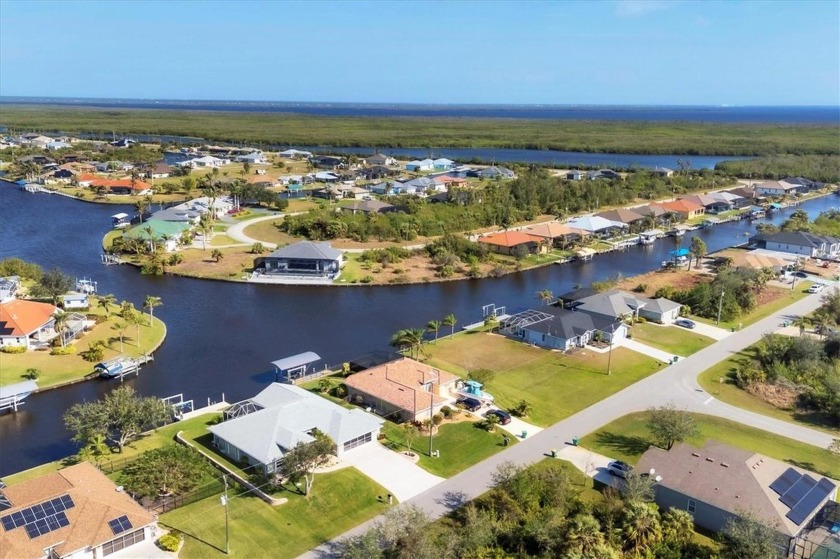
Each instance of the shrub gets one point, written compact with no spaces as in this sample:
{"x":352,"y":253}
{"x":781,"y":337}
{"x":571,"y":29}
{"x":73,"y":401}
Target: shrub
{"x":496,"y":272}
{"x":366,"y":279}
{"x":446,"y":411}
{"x":13,"y":349}
{"x":641,"y":288}
{"x":641,"y":319}
{"x":32,"y":373}
{"x":340,"y":391}
{"x":175,"y":259}
{"x":169,"y":542}
{"x":69,"y":350}
{"x":437,"y":419}
{"x":257,"y":248}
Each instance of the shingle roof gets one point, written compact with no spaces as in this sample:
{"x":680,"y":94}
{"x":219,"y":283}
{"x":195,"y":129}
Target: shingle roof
{"x":553,"y":230}
{"x":508,"y":239}
{"x":401,"y":383}
{"x":21,"y":318}
{"x":622,"y":215}
{"x":95,"y":500}
{"x":797,"y":238}
{"x":682,"y":206}
{"x":307,"y":250}
{"x":288,"y":415}
{"x":594,"y":223}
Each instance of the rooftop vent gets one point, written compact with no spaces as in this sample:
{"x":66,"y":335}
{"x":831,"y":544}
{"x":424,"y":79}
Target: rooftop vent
{"x":695,"y":454}
{"x":709,"y":459}
{"x":724,"y":464}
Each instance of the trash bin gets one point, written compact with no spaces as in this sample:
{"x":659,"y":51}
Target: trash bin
{"x":675,"y":359}
{"x":524,"y":434}
{"x":554,"y":453}
{"x":575,"y":440}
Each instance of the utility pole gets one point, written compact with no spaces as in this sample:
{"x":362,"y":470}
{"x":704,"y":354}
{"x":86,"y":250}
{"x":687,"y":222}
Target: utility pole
{"x":431,"y":413}
{"x":720,"y":305}
{"x":224,"y":501}
{"x":609,"y":356}
{"x":795,"y":271}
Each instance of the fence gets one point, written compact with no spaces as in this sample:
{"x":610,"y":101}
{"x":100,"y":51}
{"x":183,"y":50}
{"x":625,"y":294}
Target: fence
{"x":167,"y":504}
{"x":115,"y":464}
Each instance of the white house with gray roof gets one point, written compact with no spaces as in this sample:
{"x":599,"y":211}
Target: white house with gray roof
{"x":261,"y":430}
{"x":305,"y":259}
{"x":617,"y":304}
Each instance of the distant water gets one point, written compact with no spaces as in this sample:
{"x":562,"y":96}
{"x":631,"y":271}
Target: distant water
{"x":720,"y":114}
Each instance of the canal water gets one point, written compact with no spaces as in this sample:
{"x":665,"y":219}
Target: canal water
{"x":223,"y":336}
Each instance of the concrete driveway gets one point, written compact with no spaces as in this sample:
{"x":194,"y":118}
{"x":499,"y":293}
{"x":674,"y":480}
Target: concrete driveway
{"x":706,"y":330}
{"x":590,"y":463}
{"x":645,"y":349}
{"x":393,"y":471}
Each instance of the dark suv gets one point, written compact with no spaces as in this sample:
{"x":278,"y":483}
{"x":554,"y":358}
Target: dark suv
{"x":470,"y":404}
{"x":504,"y":417}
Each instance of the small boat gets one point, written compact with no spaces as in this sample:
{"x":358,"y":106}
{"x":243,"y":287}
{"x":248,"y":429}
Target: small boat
{"x":86,"y":285}
{"x":473,"y":389}
{"x":649,"y":237}
{"x":120,"y":366}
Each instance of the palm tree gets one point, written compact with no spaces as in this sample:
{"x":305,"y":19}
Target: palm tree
{"x":60,"y":324}
{"x":140,"y":206}
{"x":641,"y":526}
{"x":217,"y":255}
{"x":434,"y":326}
{"x":105,"y":301}
{"x":802,"y":322}
{"x":150,"y":303}
{"x":546,"y":296}
{"x":120,"y":328}
{"x":584,"y":534}
{"x":410,"y":339}
{"x":451,"y":321}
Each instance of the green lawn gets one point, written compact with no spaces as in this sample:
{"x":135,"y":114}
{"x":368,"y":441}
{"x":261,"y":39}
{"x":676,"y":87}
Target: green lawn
{"x":785,"y":297}
{"x":59,"y":369}
{"x":672,"y":339}
{"x":556,"y":384}
{"x":461,"y":445}
{"x":339,"y":501}
{"x":628,"y":437}
{"x":192,"y":429}
{"x":220,"y":239}
{"x":719,"y":381}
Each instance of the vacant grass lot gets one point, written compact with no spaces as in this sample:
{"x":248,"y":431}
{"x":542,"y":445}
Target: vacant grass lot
{"x":461,"y":445}
{"x":339,"y":501}
{"x":267,"y":231}
{"x":776,"y":299}
{"x":556,"y":384}
{"x":719,"y":381}
{"x":672,"y":339}
{"x":628,"y":437}
{"x":58,"y":369}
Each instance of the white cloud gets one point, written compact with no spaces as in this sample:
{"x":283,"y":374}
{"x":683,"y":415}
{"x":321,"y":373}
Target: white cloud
{"x":636,"y":8}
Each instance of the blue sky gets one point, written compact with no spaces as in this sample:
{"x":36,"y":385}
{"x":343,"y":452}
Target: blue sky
{"x":624,"y":52}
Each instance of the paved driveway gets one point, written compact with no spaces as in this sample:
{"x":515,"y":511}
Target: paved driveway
{"x":707,"y":330}
{"x":590,"y":463}
{"x":391,"y":470}
{"x":645,"y":349}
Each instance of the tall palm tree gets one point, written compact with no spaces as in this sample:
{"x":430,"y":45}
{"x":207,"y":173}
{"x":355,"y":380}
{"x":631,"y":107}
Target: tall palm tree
{"x":451,"y":321}
{"x":120,"y":328}
{"x":150,"y":303}
{"x":546,"y":296}
{"x":584,"y":534}
{"x":802,"y":322}
{"x":434,"y":326}
{"x":641,"y":527}
{"x":60,"y":324}
{"x":105,"y":301}
{"x":140,"y":207}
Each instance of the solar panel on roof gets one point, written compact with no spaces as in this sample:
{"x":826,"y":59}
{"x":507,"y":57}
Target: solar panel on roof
{"x":40,"y":518}
{"x":120,"y":525}
{"x":46,"y":525}
{"x":806,"y":506}
{"x":798,"y":491}
{"x":8,"y":523}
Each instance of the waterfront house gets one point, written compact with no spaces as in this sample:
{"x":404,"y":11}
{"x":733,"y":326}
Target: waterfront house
{"x":35,"y":140}
{"x":36,"y":159}
{"x":123,"y":143}
{"x":806,"y":185}
{"x":496,"y":172}
{"x":513,"y":243}
{"x":111,"y":166}
{"x":55,"y":145}
{"x":124,"y":187}
{"x":304,"y":258}
{"x":778,"y":188}
{"x":179,"y":214}
{"x":26,"y":323}
{"x":598,"y":226}
{"x":623,"y":305}
{"x":65,"y":176}
{"x":75,"y":300}
{"x":369,"y":207}
{"x":403,"y":389}
{"x":164,"y":233}
{"x":443,"y":164}
{"x":725,"y":201}
{"x":554,"y":327}
{"x":799,"y":242}
{"x":381,"y":159}
{"x":575,"y":175}
{"x":74,"y":513}
{"x":327,"y":162}
{"x":557,"y":234}
{"x":160,"y":170}
{"x":254,"y":158}
{"x":420,"y":165}
{"x":663,"y":172}
{"x":685,"y":209}
{"x":622,"y":215}
{"x":749,"y":194}
{"x":259,"y":431}
{"x":327,"y":176}
{"x":376,"y":172}
{"x":718,"y":483}
{"x":603,"y":174}
{"x":295,"y":154}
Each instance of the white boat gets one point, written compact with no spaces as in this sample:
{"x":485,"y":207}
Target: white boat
{"x":649,"y":237}
{"x":86,"y":285}
{"x":473,"y":389}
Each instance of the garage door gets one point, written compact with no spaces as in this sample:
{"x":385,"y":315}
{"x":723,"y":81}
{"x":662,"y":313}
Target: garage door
{"x":358,"y":441}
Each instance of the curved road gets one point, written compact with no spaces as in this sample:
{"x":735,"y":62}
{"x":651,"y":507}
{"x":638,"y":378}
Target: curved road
{"x":676,"y":383}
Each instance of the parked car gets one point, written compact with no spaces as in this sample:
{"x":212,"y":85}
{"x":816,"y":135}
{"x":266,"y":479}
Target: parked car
{"x":685,"y":323}
{"x":504,"y":417}
{"x":816,"y":288}
{"x":800,"y":275}
{"x":470,"y":404}
{"x":619,"y":468}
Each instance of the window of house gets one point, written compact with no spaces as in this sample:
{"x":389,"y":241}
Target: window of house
{"x":692,"y":506}
{"x":123,"y":541}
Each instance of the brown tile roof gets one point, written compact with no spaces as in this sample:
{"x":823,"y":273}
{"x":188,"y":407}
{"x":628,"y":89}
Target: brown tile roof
{"x":682,"y":206}
{"x":22,"y":318}
{"x":509,"y":239}
{"x":96,"y":502}
{"x":401,"y":383}
{"x":96,"y":181}
{"x":621,"y":214}
{"x":552,"y":230}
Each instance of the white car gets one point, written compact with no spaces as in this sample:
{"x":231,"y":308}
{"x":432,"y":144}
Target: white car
{"x":816,"y":288}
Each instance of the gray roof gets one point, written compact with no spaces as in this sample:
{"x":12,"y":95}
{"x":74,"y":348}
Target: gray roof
{"x":307,"y":250}
{"x":613,"y":303}
{"x":175,"y":214}
{"x":298,"y":360}
{"x":369,"y":206}
{"x":568,"y":324}
{"x":288,"y":414}
{"x":660,"y":305}
{"x":797,"y":238}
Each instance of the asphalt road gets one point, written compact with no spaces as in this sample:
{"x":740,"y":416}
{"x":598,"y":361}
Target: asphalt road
{"x":674,"y":384}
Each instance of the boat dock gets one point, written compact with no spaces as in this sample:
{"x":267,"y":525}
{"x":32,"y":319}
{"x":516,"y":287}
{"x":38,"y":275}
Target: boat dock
{"x":111,"y":259}
{"x":12,"y":396}
{"x":120,"y":367}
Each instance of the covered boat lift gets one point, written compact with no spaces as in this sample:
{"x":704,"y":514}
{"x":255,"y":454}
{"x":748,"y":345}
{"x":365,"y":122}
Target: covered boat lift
{"x":120,"y":220}
{"x":291,"y":368}
{"x":12,"y":395}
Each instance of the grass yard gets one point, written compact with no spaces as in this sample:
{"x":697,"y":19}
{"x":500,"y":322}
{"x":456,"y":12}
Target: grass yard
{"x":461,"y":445}
{"x":267,"y":232}
{"x":220,"y":239}
{"x":235,"y":263}
{"x":719,"y":381}
{"x":192,"y":428}
{"x":628,"y":437}
{"x":339,"y":501}
{"x":58,"y":369}
{"x":556,"y":384}
{"x":672,"y":339}
{"x":778,"y":299}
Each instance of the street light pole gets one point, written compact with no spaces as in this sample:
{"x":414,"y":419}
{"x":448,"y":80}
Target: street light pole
{"x":224,"y":500}
{"x":431,"y":414}
{"x":720,"y":305}
{"x":609,"y":357}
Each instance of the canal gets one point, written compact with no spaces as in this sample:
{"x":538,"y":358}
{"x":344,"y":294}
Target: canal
{"x":222,"y":336}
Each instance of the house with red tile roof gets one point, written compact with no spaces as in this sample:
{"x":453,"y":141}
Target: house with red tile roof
{"x":684,"y":208}
{"x":24,"y":323}
{"x":116,"y":186}
{"x":75,"y":512}
{"x":513,"y":242}
{"x":403,"y":389}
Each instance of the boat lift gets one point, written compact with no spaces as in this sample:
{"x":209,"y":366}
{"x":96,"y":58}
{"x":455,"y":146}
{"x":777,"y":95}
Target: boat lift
{"x":179,"y":405}
{"x":290,"y":369}
{"x":12,"y":395}
{"x":121,"y":367}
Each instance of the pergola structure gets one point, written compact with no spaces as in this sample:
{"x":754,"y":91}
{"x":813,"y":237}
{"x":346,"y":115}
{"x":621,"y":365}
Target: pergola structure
{"x":290,"y":368}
